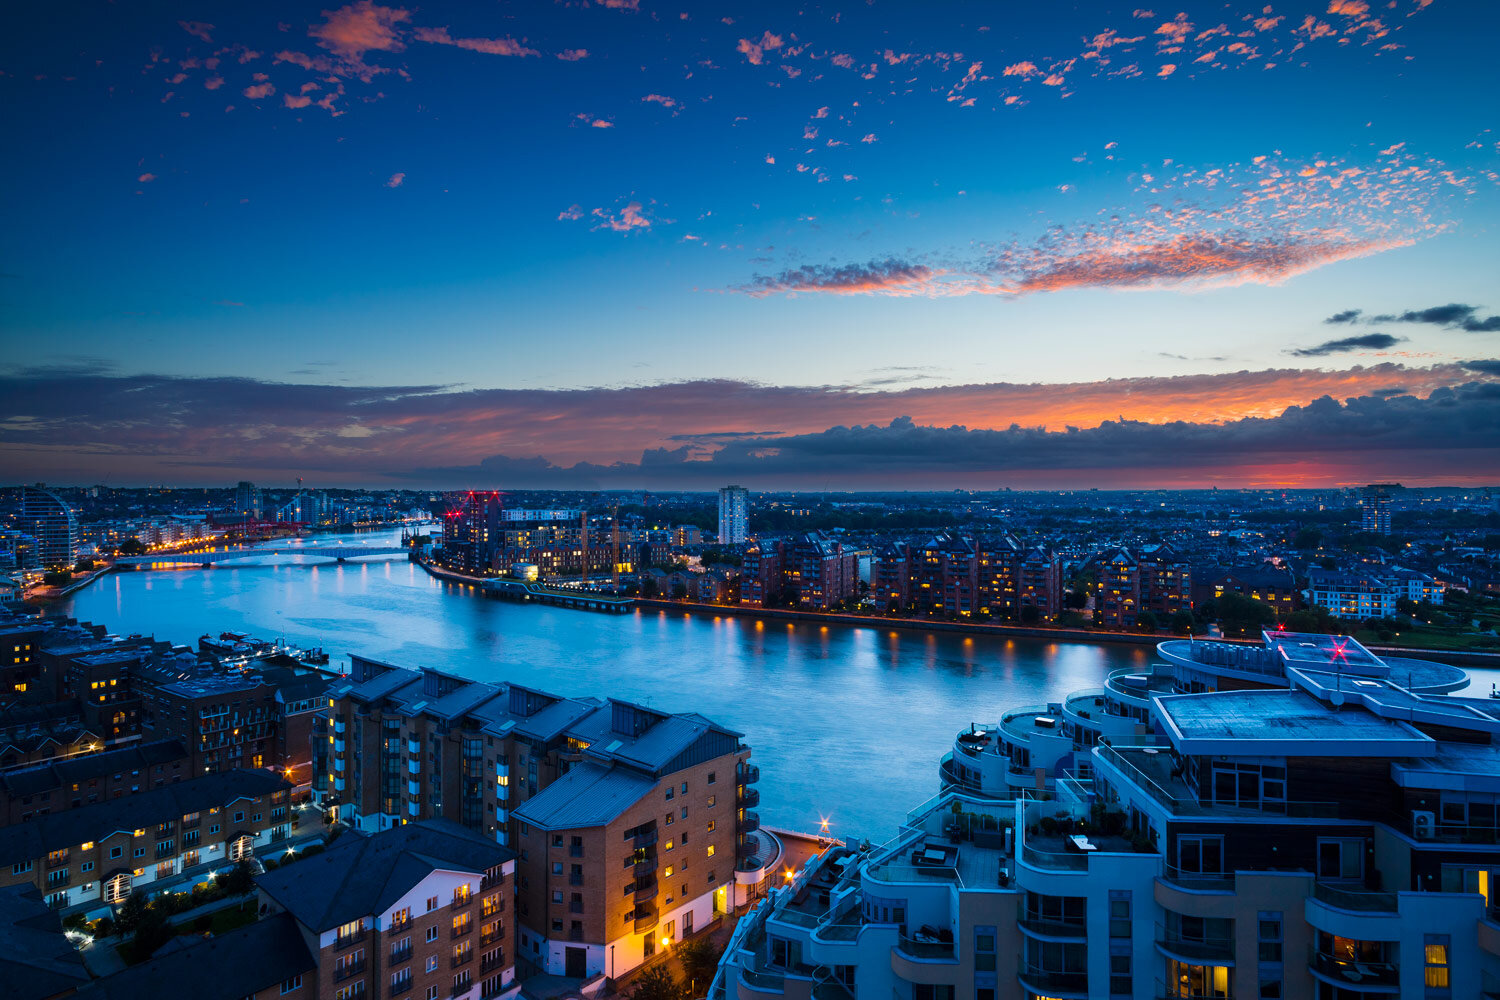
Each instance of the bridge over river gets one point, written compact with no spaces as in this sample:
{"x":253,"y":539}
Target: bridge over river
{"x":330,"y":553}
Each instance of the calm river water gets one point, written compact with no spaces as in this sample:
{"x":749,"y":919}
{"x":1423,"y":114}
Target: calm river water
{"x":846,"y":723}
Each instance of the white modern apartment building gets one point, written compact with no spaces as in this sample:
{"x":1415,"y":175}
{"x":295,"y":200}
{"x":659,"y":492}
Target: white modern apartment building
{"x":1303,"y":828}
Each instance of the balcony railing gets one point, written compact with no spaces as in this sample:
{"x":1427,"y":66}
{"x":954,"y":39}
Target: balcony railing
{"x":460,"y":960}
{"x":1043,"y":927}
{"x":348,"y":940}
{"x":1050,"y":983}
{"x":1054,"y":861}
{"x":401,"y":955}
{"x":349,"y":970}
{"x":749,"y":798}
{"x":1355,"y":972}
{"x":462,"y":929}
{"x":1360,"y":900}
{"x":1206,"y":949}
{"x":927,"y":951}
{"x":398,"y":927}
{"x":748,"y":774}
{"x":750,"y":823}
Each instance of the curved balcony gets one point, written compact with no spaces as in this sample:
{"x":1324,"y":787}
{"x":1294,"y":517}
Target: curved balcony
{"x":750,"y":823}
{"x":922,"y":962}
{"x":1022,"y":724}
{"x":644,"y":920}
{"x":976,"y":740}
{"x":754,"y":985}
{"x":747,"y":774}
{"x":749,"y":797}
{"x":1206,"y":950}
{"x":1374,"y":978}
{"x":1052,"y":930}
{"x":1056,"y":985}
{"x":1353,"y":912}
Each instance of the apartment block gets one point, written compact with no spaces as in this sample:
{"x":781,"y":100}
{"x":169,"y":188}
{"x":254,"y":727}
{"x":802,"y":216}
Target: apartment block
{"x":534,"y":771}
{"x":89,"y":778}
{"x":420,"y":910}
{"x":1280,"y":821}
{"x":103,"y":852}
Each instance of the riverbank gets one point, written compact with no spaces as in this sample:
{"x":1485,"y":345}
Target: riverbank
{"x":45,"y":595}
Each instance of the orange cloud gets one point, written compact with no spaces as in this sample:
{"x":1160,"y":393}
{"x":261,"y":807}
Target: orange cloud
{"x":296,"y":101}
{"x":573,"y":55}
{"x":259,"y":90}
{"x":397,"y":179}
{"x":754,"y":52}
{"x":490,"y":46}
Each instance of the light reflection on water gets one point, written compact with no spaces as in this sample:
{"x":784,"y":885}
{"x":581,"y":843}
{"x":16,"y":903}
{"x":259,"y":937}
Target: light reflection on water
{"x":846,"y":723}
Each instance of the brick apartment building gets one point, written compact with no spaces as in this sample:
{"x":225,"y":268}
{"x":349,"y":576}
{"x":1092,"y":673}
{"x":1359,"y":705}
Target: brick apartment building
{"x":1155,"y":580}
{"x":416,"y":911}
{"x":1264,"y":582}
{"x":102,"y":852}
{"x":70,"y":782}
{"x":410,"y":745}
{"x":959,"y":576}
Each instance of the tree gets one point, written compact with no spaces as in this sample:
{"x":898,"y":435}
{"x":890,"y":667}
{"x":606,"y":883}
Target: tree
{"x":132,"y":912}
{"x":1146,"y":622}
{"x":658,"y":983}
{"x":1241,"y":614}
{"x":151,"y":932}
{"x":1030,"y":614}
{"x":1307,"y":538}
{"x":1182,"y":622}
{"x":132,"y":547}
{"x":699,"y":959}
{"x":238,"y":880}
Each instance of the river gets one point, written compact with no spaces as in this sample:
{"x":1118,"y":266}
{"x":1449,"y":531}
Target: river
{"x":847,"y":724}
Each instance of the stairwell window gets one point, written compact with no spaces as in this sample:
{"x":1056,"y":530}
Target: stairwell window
{"x":1435,"y":957}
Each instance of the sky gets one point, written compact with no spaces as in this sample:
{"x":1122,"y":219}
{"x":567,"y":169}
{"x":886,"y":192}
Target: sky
{"x":635,"y":244}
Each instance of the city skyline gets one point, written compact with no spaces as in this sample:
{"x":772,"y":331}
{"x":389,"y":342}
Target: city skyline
{"x":627,"y":244}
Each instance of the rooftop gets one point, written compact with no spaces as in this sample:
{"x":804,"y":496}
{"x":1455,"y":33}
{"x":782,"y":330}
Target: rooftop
{"x":244,"y":961}
{"x":36,"y":959}
{"x":361,"y":876}
{"x":588,"y":795}
{"x":1282,"y":723}
{"x":143,"y":810}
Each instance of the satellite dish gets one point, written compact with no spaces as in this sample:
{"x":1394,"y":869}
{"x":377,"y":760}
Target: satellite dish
{"x":1337,"y":698}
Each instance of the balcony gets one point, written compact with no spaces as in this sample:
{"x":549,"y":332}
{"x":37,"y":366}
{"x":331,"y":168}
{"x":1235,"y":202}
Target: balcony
{"x":348,"y":940}
{"x":644,"y":867}
{"x":645,"y":889}
{"x":462,"y":959}
{"x":400,"y":988}
{"x":1206,"y":949}
{"x":398,"y":927}
{"x":461,"y":930}
{"x":489,"y":964}
{"x":1356,"y":899}
{"x":748,"y":774}
{"x":1062,"y":985}
{"x":927,"y":951}
{"x":750,"y":823}
{"x":1052,"y":930}
{"x":401,"y":955}
{"x":1350,"y":974}
{"x":575,"y":878}
{"x":749,"y":798}
{"x":645,"y":839}
{"x":349,"y":970}
{"x":645,"y":919}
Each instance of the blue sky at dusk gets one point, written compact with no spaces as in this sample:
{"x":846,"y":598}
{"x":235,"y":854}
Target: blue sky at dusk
{"x":823,"y":246}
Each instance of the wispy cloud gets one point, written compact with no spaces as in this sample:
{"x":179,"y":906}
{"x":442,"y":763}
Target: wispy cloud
{"x":491,"y":46}
{"x":1367,"y":342}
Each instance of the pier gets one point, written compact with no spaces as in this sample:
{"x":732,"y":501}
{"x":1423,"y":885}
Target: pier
{"x":330,"y":553}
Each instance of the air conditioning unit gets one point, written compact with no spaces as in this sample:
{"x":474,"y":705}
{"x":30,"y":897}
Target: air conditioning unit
{"x":1422,"y":823}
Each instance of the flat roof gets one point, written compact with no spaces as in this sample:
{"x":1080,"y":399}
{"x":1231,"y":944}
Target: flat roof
{"x":1283,"y":722}
{"x":1316,"y":649}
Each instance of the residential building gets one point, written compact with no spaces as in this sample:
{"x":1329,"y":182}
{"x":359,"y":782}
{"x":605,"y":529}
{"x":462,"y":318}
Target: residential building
{"x":525,"y":768}
{"x":468,"y":532}
{"x":38,"y":962}
{"x":247,"y":504}
{"x":264,"y":960}
{"x":51,"y":523}
{"x":103,"y":852}
{"x":1375,"y":508}
{"x":1271,"y":585}
{"x":734,"y":515}
{"x":761,"y":575}
{"x":418,"y":910}
{"x":822,"y":573}
{"x":1286,"y":822}
{"x":1370,"y":591}
{"x":70,"y":782}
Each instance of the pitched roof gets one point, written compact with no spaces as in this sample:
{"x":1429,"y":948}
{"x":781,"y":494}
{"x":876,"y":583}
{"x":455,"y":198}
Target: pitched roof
{"x":143,"y":810}
{"x":36,"y":960}
{"x":229,"y":966}
{"x":360,"y":876}
{"x":588,"y":795}
{"x":73,"y":770}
